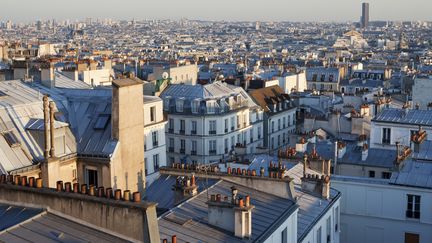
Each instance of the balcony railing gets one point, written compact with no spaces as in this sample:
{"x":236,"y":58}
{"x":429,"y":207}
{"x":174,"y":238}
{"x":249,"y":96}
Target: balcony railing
{"x":193,"y":152}
{"x":212,"y":152}
{"x":182,"y":131}
{"x":155,"y":144}
{"x":182,"y":151}
{"x":212,"y":132}
{"x":170,"y":130}
{"x":193,"y":132}
{"x":170,"y":149}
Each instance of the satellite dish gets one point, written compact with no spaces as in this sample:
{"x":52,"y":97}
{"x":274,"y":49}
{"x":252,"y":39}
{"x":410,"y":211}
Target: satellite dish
{"x":165,"y":75}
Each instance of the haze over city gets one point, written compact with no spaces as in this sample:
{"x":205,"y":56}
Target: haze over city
{"x":230,"y":10}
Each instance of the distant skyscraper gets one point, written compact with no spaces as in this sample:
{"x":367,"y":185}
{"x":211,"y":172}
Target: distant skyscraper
{"x":365,"y":15}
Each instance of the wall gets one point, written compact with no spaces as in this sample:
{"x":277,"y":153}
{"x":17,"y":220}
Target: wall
{"x":291,"y":225}
{"x":100,"y":77}
{"x":127,"y":170}
{"x":140,"y":222}
{"x":421,"y":92}
{"x":375,"y":212}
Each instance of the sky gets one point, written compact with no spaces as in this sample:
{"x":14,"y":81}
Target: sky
{"x":232,"y":10}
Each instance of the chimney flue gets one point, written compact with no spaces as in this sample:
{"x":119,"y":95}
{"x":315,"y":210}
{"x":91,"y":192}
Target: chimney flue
{"x":46,"y":125}
{"x":51,"y":106}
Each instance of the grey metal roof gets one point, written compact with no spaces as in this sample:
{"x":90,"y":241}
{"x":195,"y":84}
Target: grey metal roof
{"x":20,"y":224}
{"x":415,"y":174}
{"x":411,"y":117}
{"x":209,"y":91}
{"x":12,"y":215}
{"x":311,"y":207}
{"x":21,"y":112}
{"x":268,"y":209}
{"x":160,"y":191}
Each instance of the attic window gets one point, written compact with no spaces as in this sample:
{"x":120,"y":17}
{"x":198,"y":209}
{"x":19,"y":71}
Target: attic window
{"x":102,"y":121}
{"x":11,"y":139}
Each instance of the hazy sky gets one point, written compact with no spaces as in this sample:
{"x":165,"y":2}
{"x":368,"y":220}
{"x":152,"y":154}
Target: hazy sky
{"x":277,"y":10}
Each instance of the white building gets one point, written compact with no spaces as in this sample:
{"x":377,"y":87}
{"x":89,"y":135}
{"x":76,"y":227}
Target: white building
{"x":206,"y":122}
{"x":154,"y":134}
{"x":378,"y":210}
{"x":397,"y":125}
{"x":421,"y":93}
{"x":279,"y":116}
{"x":293,"y":81}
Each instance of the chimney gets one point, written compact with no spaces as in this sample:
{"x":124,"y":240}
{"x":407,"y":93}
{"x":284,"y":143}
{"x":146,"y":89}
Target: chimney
{"x":365,"y":152}
{"x":319,"y":185}
{"x":234,"y":216}
{"x":418,"y":138}
{"x":185,"y":187}
{"x":46,"y":126}
{"x":127,"y":121}
{"x":47,"y":75}
{"x":52,"y":128}
{"x":341,"y":147}
{"x":301,"y":145}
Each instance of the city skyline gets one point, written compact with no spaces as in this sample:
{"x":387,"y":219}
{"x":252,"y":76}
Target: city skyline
{"x":272,"y":10}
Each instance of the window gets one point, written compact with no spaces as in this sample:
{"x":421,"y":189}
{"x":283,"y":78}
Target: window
{"x":386,"y":175}
{"x":259,"y":132}
{"x":328,"y":229}
{"x":232,"y":142}
{"x":194,"y":127}
{"x":179,"y":105}
{"x":331,"y":77}
{"x":319,"y":235}
{"x":386,"y":135}
{"x":272,"y":142}
{"x":272,"y":126}
{"x":372,"y":174}
{"x":11,"y":139}
{"x":412,"y":238}
{"x":182,"y":126}
{"x":232,"y":123}
{"x":182,"y":146}
{"x":156,"y":162}
{"x":212,"y":125}
{"x":413,"y":206}
{"x":284,"y":122}
{"x":155,"y":139}
{"x":251,"y":135}
{"x":314,"y":77}
{"x":194,"y":147}
{"x":92,"y":177}
{"x":284,"y":235}
{"x":238,"y":121}
{"x":195,"y":106}
{"x":146,"y":166}
{"x":226,"y":125}
{"x":102,"y":121}
{"x":212,"y":147}
{"x":171,"y":125}
{"x":153,"y":113}
{"x":226,"y":145}
{"x":279,"y":141}
{"x":279,"y":124}
{"x":322,"y":77}
{"x":171,"y":145}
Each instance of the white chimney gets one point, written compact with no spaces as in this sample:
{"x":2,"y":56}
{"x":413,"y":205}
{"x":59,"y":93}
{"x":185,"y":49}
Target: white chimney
{"x":365,"y":152}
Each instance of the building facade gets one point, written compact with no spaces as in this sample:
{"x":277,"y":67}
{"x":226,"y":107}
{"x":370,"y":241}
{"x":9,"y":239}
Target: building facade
{"x":154,"y":137}
{"x":207,"y":122}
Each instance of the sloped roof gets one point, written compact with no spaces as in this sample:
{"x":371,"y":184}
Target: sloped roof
{"x":268,"y":95}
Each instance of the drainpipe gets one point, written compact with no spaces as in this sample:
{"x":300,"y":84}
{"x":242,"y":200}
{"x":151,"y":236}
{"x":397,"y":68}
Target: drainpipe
{"x":46,"y":125}
{"x":51,"y":106}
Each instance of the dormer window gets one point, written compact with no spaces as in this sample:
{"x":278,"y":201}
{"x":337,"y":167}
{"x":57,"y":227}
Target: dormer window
{"x":331,"y":77}
{"x":322,"y":77}
{"x":314,"y":77}
{"x":167,"y":103}
{"x":102,"y":121}
{"x":179,"y":104}
{"x":211,"y":106}
{"x":196,"y":105}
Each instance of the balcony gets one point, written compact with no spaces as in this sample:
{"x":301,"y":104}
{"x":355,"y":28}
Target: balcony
{"x":155,"y":144}
{"x":171,"y":149}
{"x":193,"y":152}
{"x":212,"y":152}
{"x":232,"y":128}
{"x":182,"y":151}
{"x":226,"y":129}
{"x":182,"y":131}
{"x":193,"y":132}
{"x":212,"y":132}
{"x":170,"y":130}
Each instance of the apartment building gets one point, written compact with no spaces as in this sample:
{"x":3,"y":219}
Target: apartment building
{"x":323,"y":78}
{"x":154,"y":137}
{"x":207,"y":122}
{"x":279,"y":116}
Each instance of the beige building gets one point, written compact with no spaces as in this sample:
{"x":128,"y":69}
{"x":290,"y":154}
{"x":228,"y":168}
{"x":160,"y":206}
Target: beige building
{"x":90,"y":137}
